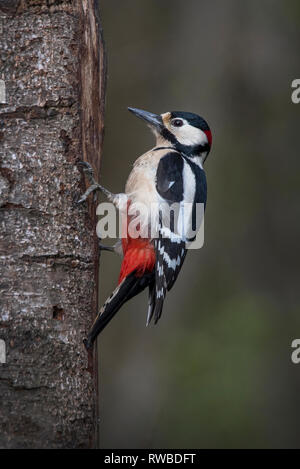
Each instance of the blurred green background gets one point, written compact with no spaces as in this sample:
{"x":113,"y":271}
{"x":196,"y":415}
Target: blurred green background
{"x":216,"y":372}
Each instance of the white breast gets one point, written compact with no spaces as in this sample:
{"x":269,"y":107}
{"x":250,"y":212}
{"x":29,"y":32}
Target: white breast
{"x":141,"y":189}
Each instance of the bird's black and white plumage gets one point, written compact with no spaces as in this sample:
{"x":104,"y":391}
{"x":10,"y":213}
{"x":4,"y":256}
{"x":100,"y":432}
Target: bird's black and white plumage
{"x":181,"y":183}
{"x":169,"y":182}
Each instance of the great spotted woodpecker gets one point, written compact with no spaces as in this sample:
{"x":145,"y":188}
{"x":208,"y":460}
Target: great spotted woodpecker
{"x":171,"y":172}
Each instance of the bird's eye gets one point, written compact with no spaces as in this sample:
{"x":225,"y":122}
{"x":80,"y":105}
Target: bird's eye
{"x":177,"y":122}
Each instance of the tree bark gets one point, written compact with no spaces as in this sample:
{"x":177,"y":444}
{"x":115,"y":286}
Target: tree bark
{"x":53,"y":68}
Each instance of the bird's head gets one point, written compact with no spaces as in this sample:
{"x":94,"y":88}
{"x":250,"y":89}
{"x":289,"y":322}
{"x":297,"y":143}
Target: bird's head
{"x":185,"y":131}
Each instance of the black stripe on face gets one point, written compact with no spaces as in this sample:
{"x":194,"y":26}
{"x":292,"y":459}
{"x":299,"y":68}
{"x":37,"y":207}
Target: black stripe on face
{"x":189,"y":150}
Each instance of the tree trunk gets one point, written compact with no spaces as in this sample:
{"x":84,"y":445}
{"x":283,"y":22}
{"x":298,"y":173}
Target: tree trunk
{"x":51,"y":116}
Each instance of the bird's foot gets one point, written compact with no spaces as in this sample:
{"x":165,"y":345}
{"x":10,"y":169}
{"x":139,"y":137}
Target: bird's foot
{"x":116,"y":248}
{"x":92,"y":188}
{"x":102,"y":247}
{"x":88,"y":171}
{"x":95,"y":186}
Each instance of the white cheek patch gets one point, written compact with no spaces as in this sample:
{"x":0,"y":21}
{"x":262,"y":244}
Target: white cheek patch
{"x":189,"y":135}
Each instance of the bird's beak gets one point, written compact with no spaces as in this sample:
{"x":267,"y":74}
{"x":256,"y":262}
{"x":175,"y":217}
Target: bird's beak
{"x":154,"y":120}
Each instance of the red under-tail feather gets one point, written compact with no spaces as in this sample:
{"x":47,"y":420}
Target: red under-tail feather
{"x":139,"y":254}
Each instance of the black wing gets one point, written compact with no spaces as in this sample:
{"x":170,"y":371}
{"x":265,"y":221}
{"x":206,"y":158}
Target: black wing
{"x":169,"y":177}
{"x":170,"y":250}
{"x":170,"y":254}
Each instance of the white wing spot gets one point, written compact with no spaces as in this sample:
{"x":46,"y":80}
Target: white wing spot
{"x":172,"y":263}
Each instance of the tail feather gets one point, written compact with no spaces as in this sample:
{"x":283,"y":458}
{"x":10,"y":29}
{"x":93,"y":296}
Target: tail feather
{"x":155,"y":303}
{"x":120,"y":295}
{"x":151,"y":303}
{"x":158,"y":309}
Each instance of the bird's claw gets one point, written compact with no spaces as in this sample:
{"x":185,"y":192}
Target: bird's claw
{"x":86,"y":166}
{"x":91,"y":189}
{"x":88,"y":171}
{"x":102,"y":247}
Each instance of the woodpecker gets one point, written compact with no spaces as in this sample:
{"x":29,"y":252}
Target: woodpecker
{"x":170,"y":173}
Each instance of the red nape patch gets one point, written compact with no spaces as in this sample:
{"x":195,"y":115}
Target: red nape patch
{"x":209,"y":136}
{"x":139,"y":256}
